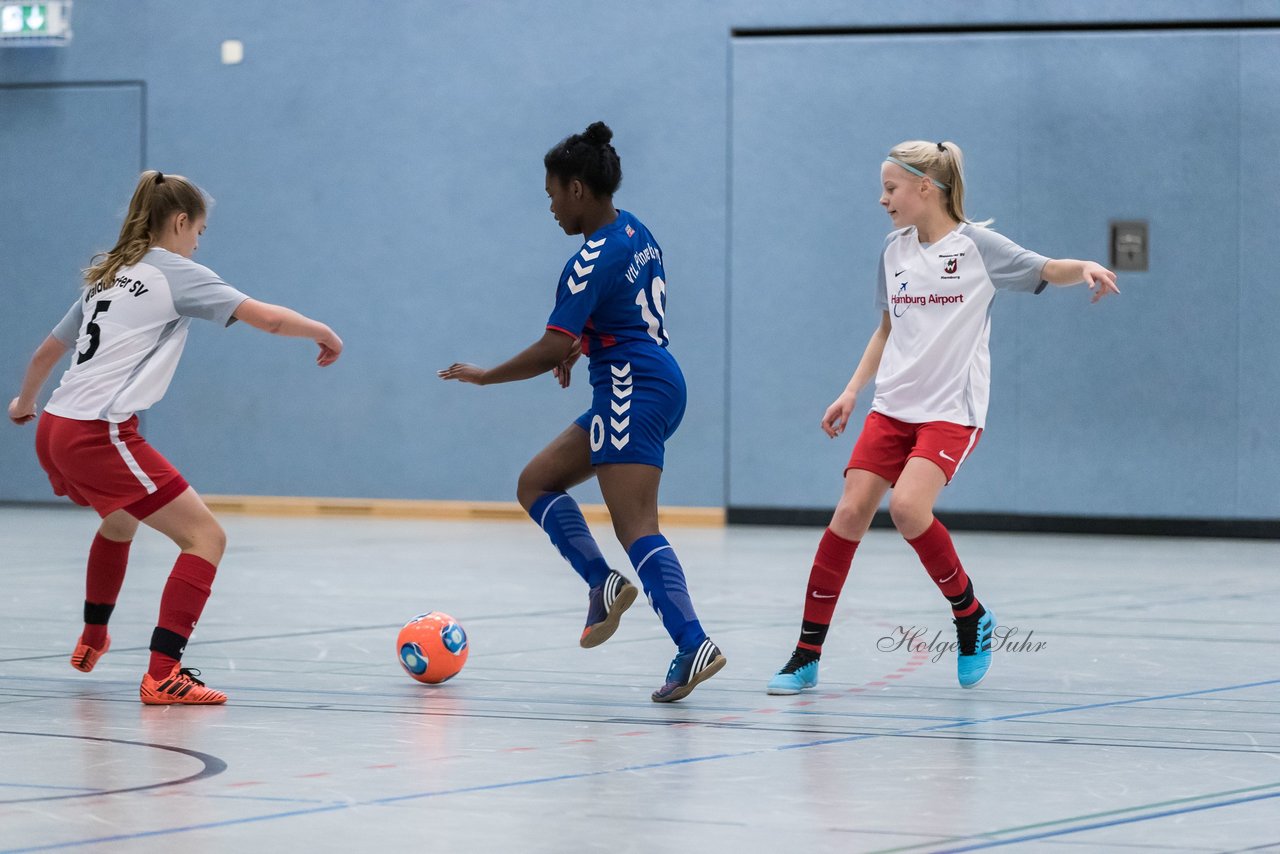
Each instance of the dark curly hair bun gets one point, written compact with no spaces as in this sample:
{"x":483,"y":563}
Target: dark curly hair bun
{"x":598,"y":133}
{"x":589,"y":157}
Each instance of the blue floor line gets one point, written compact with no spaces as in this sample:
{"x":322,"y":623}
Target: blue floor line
{"x":708,"y":758}
{"x":1031,"y":837}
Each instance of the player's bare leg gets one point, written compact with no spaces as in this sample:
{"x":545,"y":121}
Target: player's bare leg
{"x":563,"y":464}
{"x":915,"y":493}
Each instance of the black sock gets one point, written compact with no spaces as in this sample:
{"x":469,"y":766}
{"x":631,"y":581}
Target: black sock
{"x":964,"y":602}
{"x":812,"y":636}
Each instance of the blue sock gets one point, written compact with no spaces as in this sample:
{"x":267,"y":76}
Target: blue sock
{"x":663,"y":580}
{"x":558,"y":515}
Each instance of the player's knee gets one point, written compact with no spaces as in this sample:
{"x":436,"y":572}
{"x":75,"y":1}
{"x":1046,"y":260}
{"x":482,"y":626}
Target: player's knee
{"x":907,"y":513}
{"x":209,"y":540}
{"x":527,"y":489}
{"x":854,"y":513}
{"x":119,"y":531}
{"x":629,"y":530}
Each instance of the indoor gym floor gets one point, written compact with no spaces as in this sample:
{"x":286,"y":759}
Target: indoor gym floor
{"x":1144,"y":714}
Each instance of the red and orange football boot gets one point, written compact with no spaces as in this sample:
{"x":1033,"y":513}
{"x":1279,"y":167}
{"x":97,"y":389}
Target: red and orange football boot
{"x":85,"y":656}
{"x":180,"y":687}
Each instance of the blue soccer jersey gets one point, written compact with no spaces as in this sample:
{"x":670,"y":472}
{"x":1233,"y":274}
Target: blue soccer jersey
{"x":613,"y":295}
{"x":614,"y":289}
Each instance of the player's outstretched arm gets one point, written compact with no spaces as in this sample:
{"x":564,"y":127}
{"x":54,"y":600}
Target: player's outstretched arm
{"x":564,"y":371}
{"x":1069,"y":271}
{"x":550,"y":351}
{"x":278,"y":320}
{"x":23,"y":407}
{"x":837,"y":415}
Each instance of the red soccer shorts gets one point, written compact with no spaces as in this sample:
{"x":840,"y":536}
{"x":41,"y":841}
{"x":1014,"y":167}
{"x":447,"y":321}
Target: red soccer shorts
{"x":885,"y":445}
{"x":105,"y":466}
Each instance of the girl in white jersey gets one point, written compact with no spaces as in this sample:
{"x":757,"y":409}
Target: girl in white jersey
{"x":938,"y":276}
{"x":127,"y":329}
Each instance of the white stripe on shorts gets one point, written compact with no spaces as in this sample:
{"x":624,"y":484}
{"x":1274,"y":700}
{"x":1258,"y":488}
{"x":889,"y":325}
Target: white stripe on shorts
{"x":127,"y":456}
{"x":973,"y":437}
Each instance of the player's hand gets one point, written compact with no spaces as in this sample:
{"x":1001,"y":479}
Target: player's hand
{"x":837,"y":416}
{"x":462,"y":372}
{"x":1100,"y":280}
{"x":330,"y":348}
{"x":563,"y":371}
{"x":21,"y":413}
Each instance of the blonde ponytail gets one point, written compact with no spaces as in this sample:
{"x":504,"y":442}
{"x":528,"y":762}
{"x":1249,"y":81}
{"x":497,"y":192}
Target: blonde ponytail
{"x":943,"y":162}
{"x":156,"y":198}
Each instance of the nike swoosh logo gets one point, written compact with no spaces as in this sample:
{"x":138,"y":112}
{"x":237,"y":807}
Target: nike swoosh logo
{"x":945,"y":456}
{"x":899,"y":273}
{"x":813,"y":632}
{"x":817,"y":595}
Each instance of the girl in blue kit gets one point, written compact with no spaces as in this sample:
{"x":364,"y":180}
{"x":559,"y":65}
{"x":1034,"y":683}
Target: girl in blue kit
{"x":610,"y":305}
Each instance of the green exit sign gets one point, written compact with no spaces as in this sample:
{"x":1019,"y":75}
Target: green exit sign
{"x":24,"y":24}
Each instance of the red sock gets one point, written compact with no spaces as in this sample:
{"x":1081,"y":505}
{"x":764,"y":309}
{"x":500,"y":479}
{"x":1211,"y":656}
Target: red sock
{"x":826,"y":580}
{"x":103,"y":578}
{"x":183,"y":600}
{"x":940,"y":560}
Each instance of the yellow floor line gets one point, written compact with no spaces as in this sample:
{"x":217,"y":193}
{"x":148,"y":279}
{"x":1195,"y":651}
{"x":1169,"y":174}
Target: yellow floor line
{"x":271,"y":505}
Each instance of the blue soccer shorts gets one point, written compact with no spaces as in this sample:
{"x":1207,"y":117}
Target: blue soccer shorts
{"x":636,"y":405}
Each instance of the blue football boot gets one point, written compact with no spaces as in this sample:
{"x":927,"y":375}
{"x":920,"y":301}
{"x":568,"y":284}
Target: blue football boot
{"x":974,"y":637}
{"x":797,"y":674}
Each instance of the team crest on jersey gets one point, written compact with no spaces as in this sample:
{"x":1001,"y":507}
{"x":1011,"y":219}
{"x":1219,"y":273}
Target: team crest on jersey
{"x":631,"y":232}
{"x":950,"y":265}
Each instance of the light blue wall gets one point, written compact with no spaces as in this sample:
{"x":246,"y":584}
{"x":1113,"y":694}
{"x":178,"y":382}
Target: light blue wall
{"x":379,"y":167}
{"x":1147,"y":405}
{"x":45,"y":237}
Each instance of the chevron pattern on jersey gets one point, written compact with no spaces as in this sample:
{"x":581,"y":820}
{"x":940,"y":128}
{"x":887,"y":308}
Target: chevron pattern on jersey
{"x":579,"y":285}
{"x":620,"y":419}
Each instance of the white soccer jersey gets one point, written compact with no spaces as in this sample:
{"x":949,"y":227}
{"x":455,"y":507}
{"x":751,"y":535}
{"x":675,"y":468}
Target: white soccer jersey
{"x":936,"y":364}
{"x":128,"y":335}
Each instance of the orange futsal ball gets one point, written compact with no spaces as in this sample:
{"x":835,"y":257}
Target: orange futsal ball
{"x":432,"y":647}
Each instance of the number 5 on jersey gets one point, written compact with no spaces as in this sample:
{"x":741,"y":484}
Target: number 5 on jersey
{"x":94,"y":331}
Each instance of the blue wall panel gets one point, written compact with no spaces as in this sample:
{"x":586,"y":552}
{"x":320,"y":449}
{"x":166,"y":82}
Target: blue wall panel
{"x":382,"y":171}
{"x":1096,"y":410}
{"x":62,"y":150}
{"x":1120,"y":399}
{"x":812,"y":120}
{"x":1259,"y":303}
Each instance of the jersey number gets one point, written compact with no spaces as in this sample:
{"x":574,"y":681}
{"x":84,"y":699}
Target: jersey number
{"x":95,"y":332}
{"x":655,"y":321}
